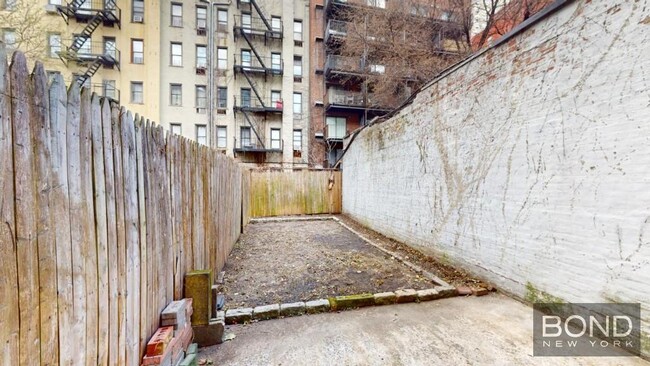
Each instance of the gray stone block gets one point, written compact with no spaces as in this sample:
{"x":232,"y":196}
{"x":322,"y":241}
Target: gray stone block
{"x":385,"y":298}
{"x":428,"y":294}
{"x":404,"y":296}
{"x":317,"y":306}
{"x":446,"y":291}
{"x":266,"y":312}
{"x":292,"y":309}
{"x":239,"y":316}
{"x":210,"y":334}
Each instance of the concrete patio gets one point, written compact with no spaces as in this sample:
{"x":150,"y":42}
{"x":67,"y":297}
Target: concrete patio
{"x":491,"y":329}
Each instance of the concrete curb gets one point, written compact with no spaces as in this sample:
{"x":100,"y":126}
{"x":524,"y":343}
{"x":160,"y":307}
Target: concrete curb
{"x":337,"y":303}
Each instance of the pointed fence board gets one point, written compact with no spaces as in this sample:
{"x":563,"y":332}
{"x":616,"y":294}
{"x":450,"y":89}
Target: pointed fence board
{"x":26,"y":214}
{"x":45,"y":237}
{"x":101,"y":230}
{"x":9,"y":309}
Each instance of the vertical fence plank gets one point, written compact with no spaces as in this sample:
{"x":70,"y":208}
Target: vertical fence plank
{"x":89,"y":248}
{"x":101,"y":231}
{"x":111,"y":232}
{"x":9,"y":310}
{"x":144,"y":255}
{"x":132,"y":240}
{"x":60,"y":213}
{"x":76,"y":216}
{"x":116,"y":117}
{"x":40,"y":125}
{"x":25,"y":191}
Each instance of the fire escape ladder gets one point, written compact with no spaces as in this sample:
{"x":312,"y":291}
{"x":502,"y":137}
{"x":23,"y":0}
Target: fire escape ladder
{"x":252,"y":47}
{"x":87,"y":32}
{"x":253,"y":87}
{"x":261,"y":14}
{"x":254,"y":127}
{"x":92,"y":69}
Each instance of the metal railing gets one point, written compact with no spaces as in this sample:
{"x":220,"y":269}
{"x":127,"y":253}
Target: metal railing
{"x":107,"y":91}
{"x":356,"y":99}
{"x":253,"y":145}
{"x":90,"y":51}
{"x":88,"y":8}
{"x":267,"y":65}
{"x":258,"y":27}
{"x":252,"y":103}
{"x":336,"y":28}
{"x":343,"y":64}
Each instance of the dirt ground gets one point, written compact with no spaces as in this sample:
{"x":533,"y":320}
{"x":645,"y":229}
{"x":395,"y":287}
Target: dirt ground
{"x":306,"y":260}
{"x":289,"y":261}
{"x":445,"y":271}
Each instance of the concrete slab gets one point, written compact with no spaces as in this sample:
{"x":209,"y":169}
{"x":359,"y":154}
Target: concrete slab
{"x":485,"y":330}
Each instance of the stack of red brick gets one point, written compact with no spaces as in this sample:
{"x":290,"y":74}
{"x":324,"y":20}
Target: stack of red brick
{"x":169,"y":343}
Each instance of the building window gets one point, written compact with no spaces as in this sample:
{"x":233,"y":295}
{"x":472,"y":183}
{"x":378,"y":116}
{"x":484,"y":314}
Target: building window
{"x":176,"y":128}
{"x":201,"y":96}
{"x":109,"y":90}
{"x":276,"y":141}
{"x":222,"y":20}
{"x":246,"y":22}
{"x":297,"y":105}
{"x":9,"y":36}
{"x":297,"y":68}
{"x":245,"y":97}
{"x":378,"y":69}
{"x":137,"y":11}
{"x":54,"y":44}
{"x":177,"y":15}
{"x":336,"y":127}
{"x":222,"y":97}
{"x":377,"y":3}
{"x":246,"y":58}
{"x":137,"y":92}
{"x":201,"y":20}
{"x":297,"y":140}
{"x":222,"y":137}
{"x":137,"y":51}
{"x":177,"y":54}
{"x":110,"y":47}
{"x":276,"y":61}
{"x":201,"y":57}
{"x":222,"y":58}
{"x":297,"y":33}
{"x":276,"y":99}
{"x":276,"y":24}
{"x":245,"y":134}
{"x":176,"y":95}
{"x":202,"y":134}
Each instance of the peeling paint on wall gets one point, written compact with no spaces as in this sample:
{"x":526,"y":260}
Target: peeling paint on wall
{"x":530,"y":164}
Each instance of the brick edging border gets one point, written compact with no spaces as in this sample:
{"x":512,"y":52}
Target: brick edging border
{"x":337,"y":303}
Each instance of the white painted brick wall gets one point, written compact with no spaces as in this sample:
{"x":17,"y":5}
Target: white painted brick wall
{"x":530,"y":164}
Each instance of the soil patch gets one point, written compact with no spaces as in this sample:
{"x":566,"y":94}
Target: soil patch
{"x":279,"y":262}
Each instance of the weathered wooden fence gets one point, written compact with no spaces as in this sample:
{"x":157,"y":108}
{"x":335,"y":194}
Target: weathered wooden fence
{"x":304,"y":192}
{"x":101,"y":214}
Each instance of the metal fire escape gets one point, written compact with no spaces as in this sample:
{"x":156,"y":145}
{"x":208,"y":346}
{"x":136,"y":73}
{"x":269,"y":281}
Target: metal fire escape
{"x":252,"y":29}
{"x":94,"y":13}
